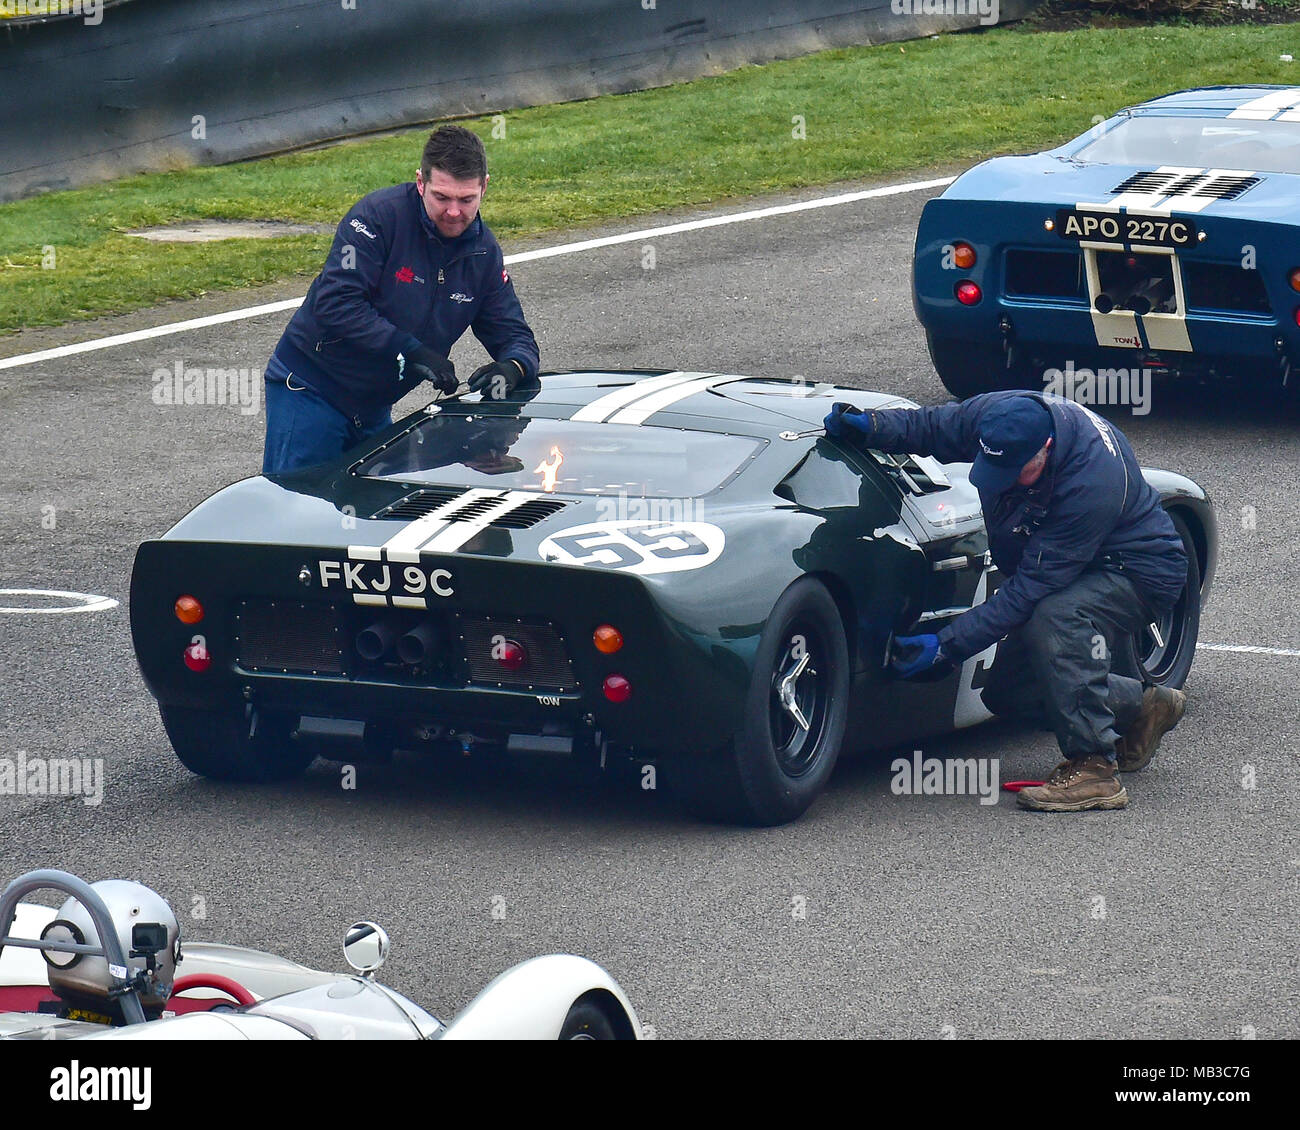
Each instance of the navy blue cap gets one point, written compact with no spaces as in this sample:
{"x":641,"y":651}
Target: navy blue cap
{"x":1012,"y":432}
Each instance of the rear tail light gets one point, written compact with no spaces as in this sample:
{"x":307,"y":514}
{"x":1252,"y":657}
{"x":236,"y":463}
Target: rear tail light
{"x":1297,"y":315}
{"x":510,"y":655}
{"x":968,"y":293}
{"x":617,"y":688}
{"x":1294,"y":278}
{"x":188,"y":610}
{"x":197,"y":657}
{"x":607,"y":638}
{"x":963,"y":256}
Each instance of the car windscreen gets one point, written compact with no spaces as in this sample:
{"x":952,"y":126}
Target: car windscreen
{"x":564,"y":456}
{"x":1148,"y":141}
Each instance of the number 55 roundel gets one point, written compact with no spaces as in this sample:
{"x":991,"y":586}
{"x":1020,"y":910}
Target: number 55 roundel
{"x":639,"y":546}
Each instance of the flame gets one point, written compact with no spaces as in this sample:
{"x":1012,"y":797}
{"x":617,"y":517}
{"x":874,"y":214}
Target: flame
{"x":548,"y":470}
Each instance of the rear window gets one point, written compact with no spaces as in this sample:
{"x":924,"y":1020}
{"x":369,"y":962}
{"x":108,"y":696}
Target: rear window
{"x":561,"y":456}
{"x":1147,"y":141}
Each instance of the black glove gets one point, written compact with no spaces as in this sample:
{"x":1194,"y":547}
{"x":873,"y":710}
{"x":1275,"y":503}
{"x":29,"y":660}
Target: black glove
{"x":844,"y":421}
{"x":497,"y":380}
{"x":424,"y":364}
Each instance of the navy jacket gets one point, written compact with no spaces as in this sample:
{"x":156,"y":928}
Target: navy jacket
{"x":1090,"y":507}
{"x":391,"y":283}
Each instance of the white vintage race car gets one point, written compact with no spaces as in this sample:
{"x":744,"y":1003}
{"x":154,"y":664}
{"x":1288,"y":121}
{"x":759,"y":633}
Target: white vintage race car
{"x":104,"y":966}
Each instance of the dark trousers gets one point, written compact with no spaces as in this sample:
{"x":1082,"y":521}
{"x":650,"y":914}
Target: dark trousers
{"x":1056,"y":669}
{"x":303,"y":429}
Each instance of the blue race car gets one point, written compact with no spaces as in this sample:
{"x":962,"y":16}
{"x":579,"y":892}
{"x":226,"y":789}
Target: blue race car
{"x":1165,"y":239}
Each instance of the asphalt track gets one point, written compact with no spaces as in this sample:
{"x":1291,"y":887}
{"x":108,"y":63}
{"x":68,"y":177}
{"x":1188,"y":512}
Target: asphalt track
{"x":875,"y":914}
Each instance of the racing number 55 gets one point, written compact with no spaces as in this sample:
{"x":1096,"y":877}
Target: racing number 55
{"x":613,"y":547}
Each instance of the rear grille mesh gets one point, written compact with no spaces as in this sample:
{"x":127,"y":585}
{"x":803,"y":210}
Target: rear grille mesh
{"x":1220,"y":187}
{"x":289,"y":636}
{"x":547,"y":666}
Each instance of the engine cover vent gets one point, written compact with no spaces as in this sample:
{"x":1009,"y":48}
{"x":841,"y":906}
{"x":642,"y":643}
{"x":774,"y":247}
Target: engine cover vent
{"x":1220,"y":186}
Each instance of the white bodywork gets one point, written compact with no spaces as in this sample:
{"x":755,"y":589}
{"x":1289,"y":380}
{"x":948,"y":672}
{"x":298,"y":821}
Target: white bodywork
{"x":528,"y":1002}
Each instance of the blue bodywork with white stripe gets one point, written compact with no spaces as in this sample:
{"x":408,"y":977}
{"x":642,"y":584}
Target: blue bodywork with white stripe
{"x":1164,"y":237}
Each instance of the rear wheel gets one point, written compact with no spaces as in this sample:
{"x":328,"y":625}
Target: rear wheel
{"x":968,"y":368}
{"x":1162,"y":653}
{"x":218,"y":744}
{"x":795,"y":713}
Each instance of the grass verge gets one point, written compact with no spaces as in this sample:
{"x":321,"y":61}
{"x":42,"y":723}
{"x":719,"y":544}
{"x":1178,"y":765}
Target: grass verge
{"x":867,"y":112}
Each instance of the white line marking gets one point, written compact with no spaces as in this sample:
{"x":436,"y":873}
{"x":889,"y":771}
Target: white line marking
{"x":368,"y":599}
{"x":1246,"y":649}
{"x":90,"y":603}
{"x":521,"y":257}
{"x":365,"y":553}
{"x":144,"y":335}
{"x":409,"y":602}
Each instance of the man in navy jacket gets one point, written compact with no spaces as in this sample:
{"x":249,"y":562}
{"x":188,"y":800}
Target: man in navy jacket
{"x":1090,"y":556}
{"x":411,"y":267}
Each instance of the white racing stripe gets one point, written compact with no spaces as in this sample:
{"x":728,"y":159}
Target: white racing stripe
{"x":642,"y":410}
{"x":1265,"y":107}
{"x":457,"y":534}
{"x":1151,"y":201}
{"x":604,"y":406}
{"x":405,"y":544}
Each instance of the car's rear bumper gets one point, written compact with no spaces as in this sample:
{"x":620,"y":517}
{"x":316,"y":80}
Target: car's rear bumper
{"x":683,"y":696}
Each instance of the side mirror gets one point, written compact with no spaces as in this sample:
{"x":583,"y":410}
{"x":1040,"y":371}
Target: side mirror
{"x":365,"y":947}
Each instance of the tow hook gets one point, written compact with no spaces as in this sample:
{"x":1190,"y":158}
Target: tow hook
{"x":1007,"y":330}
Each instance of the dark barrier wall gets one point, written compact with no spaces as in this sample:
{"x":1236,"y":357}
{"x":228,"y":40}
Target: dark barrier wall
{"x":159,"y":84}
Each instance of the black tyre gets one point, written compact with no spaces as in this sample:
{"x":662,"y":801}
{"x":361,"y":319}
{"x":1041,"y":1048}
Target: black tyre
{"x":218,"y":744}
{"x":968,"y":368}
{"x":587,"y":1021}
{"x":795,"y":713}
{"x":1164,"y":656}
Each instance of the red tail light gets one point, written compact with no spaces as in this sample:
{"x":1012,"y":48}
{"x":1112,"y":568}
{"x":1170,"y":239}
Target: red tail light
{"x":968,"y":293}
{"x":511,"y":655}
{"x":197,"y":657}
{"x":617,"y":688}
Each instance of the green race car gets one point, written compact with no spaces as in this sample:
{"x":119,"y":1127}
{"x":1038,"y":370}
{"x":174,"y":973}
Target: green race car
{"x":676,"y":568}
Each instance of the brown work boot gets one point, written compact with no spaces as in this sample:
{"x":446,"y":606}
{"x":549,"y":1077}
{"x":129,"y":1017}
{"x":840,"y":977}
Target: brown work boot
{"x":1161,"y":710}
{"x":1085,"y":782}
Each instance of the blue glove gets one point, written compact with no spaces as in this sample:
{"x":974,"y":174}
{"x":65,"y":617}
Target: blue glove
{"x":844,"y":420}
{"x":916,"y":655}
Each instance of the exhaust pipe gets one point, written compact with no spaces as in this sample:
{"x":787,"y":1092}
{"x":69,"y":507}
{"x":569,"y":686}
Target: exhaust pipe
{"x":418,"y":645}
{"x":374,"y":642}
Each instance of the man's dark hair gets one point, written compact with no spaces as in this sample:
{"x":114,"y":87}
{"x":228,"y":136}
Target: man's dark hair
{"x":456,"y":151}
